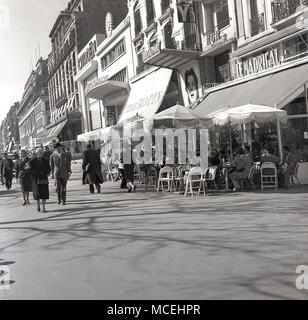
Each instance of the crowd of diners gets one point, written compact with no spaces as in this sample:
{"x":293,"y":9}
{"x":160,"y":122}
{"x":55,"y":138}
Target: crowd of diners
{"x":236,"y":167}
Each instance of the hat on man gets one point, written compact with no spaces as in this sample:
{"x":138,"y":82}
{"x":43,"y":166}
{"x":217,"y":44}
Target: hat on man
{"x":58,"y":145}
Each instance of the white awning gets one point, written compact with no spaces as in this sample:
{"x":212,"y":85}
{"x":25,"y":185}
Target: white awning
{"x":147,"y":94}
{"x":97,"y":135}
{"x":100,"y":90}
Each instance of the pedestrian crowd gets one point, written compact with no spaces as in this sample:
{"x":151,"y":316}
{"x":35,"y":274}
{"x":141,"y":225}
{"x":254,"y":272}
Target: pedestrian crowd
{"x":33,"y":170}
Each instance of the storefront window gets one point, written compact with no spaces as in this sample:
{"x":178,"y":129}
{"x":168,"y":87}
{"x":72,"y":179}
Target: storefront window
{"x":95,"y":114}
{"x":111,"y":118}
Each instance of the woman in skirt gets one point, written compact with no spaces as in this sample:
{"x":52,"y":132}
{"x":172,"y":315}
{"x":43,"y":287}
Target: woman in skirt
{"x":24,"y":176}
{"x":40,"y":170}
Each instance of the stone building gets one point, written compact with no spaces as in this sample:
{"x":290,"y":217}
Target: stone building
{"x":34,"y":111}
{"x":73,"y":29}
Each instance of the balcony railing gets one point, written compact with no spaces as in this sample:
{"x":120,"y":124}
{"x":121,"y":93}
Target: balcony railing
{"x":282,"y":9}
{"x":215,"y":36}
{"x":257,"y":24}
{"x":190,"y":44}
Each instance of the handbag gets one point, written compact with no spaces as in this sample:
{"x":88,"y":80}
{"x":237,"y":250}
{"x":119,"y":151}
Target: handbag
{"x":42,"y":181}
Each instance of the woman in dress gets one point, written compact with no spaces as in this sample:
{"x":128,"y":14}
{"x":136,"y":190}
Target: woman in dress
{"x":24,"y":176}
{"x":129,"y":173}
{"x":40,"y":170}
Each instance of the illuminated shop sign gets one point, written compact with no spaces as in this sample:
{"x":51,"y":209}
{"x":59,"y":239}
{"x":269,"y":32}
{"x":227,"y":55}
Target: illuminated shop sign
{"x":262,"y":62}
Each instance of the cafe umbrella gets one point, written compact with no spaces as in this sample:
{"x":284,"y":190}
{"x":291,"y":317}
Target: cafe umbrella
{"x":251,"y":112}
{"x":178,"y":117}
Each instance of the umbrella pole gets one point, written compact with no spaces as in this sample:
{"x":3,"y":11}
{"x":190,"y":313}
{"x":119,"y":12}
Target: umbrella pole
{"x":230,"y":136}
{"x":279,"y":140}
{"x":243,"y":134}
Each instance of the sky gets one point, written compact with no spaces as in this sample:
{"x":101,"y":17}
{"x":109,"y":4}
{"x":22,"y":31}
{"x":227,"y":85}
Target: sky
{"x":23,"y":24}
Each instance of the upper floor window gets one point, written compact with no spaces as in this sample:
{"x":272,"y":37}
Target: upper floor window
{"x":222,"y":13}
{"x":165,"y":5}
{"x":113,"y":54}
{"x":150,"y":11}
{"x":137,"y":18}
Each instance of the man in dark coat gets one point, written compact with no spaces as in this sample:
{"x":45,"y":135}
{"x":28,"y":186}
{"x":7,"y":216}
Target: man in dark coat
{"x":47,"y":154}
{"x":92,"y":169}
{"x":7,"y":171}
{"x":1,"y":170}
{"x":61,"y":171}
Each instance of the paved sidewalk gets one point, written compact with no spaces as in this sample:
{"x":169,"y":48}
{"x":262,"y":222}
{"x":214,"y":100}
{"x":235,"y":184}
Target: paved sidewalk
{"x":154,"y":246}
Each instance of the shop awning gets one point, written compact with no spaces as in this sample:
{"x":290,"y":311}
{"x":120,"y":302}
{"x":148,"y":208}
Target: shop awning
{"x":147,"y":94}
{"x":277,"y":89}
{"x":96,"y":135}
{"x":101,"y":90}
{"x":172,"y":58}
{"x":55,"y":131}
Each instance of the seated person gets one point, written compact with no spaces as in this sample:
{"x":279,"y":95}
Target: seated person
{"x":240,"y":168}
{"x":288,"y":166}
{"x":268,"y":156}
{"x":214,"y":159}
{"x":248,"y":153}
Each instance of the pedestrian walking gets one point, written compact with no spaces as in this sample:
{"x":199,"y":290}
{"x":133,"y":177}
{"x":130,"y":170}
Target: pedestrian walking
{"x":61,"y":171}
{"x":1,"y":170}
{"x":40,"y":170}
{"x":121,"y":172}
{"x":69,"y":154}
{"x":129,"y":174}
{"x":92,"y":169}
{"x":7,"y":171}
{"x":24,"y":176}
{"x":47,"y":153}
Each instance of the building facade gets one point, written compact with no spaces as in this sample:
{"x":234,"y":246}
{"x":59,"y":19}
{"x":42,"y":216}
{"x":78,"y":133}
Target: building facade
{"x":154,"y":87}
{"x":73,"y":29}
{"x":230,"y":52}
{"x":9,"y":139}
{"x":34,"y":111}
{"x":259,"y":56}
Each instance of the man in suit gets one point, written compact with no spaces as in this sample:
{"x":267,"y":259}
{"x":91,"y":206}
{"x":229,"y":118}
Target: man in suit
{"x":61,"y":171}
{"x":7,"y":171}
{"x":92,"y":168}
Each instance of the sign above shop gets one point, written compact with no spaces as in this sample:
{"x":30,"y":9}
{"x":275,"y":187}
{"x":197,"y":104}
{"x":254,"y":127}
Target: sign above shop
{"x":186,"y":11}
{"x":96,"y":82}
{"x":262,"y":62}
{"x":88,"y":55}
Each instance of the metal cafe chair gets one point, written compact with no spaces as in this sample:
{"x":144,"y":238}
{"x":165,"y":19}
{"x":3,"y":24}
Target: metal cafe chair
{"x":151,"y":178}
{"x":210,"y":177}
{"x":196,"y":177}
{"x":269,"y":176}
{"x":166,"y":176}
{"x":179,"y":179}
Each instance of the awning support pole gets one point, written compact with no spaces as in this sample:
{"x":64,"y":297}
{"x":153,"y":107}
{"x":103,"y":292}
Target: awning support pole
{"x":279,"y":140}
